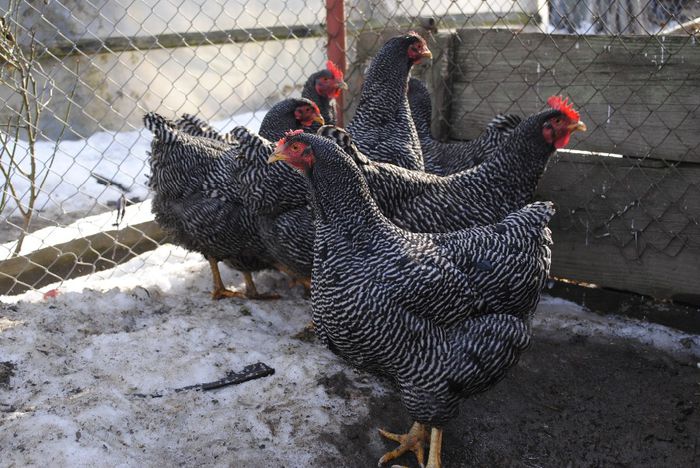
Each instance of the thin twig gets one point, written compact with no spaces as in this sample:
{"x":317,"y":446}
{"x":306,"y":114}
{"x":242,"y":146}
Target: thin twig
{"x":251,"y":372}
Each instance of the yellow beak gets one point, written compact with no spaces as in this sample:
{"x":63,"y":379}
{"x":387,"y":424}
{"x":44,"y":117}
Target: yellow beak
{"x":342,"y":85}
{"x":580,"y":126}
{"x":319,"y":119}
{"x":427,"y":54}
{"x":276,"y":156}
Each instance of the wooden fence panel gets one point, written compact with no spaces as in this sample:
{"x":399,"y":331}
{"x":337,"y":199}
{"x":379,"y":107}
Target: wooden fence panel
{"x":638,"y":95}
{"x":626,"y":224}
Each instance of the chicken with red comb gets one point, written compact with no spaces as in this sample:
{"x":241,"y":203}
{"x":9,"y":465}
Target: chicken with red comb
{"x":323,"y":88}
{"x":558,"y":129}
{"x":383,"y":127}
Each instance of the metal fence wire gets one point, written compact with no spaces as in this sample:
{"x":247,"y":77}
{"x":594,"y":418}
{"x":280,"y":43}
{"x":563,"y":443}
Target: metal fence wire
{"x":78,"y":76}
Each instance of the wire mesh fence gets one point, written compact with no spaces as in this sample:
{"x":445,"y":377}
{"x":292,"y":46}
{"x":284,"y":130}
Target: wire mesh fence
{"x":78,"y":76}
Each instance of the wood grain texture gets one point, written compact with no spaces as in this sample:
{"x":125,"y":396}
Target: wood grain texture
{"x":78,"y":257}
{"x":638,"y":95}
{"x":626,"y":224}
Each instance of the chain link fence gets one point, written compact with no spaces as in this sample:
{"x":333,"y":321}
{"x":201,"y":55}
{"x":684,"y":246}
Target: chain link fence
{"x":78,"y":76}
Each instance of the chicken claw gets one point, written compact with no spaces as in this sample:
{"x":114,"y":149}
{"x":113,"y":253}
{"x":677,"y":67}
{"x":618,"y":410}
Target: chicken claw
{"x":413,"y":441}
{"x":251,"y":292}
{"x":220,"y":293}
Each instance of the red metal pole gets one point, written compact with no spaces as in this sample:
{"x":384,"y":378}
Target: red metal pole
{"x":335,"y":23}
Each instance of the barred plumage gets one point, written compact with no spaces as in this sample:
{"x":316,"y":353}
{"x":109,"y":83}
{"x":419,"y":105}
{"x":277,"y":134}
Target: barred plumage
{"x":290,"y":114}
{"x":382,"y":126}
{"x":197,"y":184}
{"x":195,"y":126}
{"x":444,"y":315}
{"x":422,"y":202}
{"x":449,"y":158}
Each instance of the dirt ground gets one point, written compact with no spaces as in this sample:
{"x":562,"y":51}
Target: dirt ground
{"x":571,"y":401}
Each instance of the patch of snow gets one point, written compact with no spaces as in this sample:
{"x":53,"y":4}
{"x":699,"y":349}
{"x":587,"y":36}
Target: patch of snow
{"x":149,"y":326}
{"x":67,"y":167}
{"x":556,"y":314}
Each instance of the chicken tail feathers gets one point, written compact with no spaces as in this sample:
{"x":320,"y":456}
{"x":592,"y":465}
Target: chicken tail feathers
{"x":252,"y":146}
{"x":161,"y":127}
{"x":195,"y":126}
{"x":530,"y":221}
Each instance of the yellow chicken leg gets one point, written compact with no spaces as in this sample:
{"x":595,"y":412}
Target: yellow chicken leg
{"x":434,"y":460}
{"x":251,"y":292}
{"x":220,"y":290}
{"x":413,"y":441}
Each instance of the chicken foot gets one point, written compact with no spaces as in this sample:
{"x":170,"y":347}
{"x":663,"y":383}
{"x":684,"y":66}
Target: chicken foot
{"x":251,"y":292}
{"x":221,"y":292}
{"x":413,"y":441}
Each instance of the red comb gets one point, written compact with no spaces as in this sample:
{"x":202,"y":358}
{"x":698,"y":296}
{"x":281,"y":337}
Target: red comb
{"x":288,"y":134}
{"x":335,"y":71}
{"x":564,"y":106}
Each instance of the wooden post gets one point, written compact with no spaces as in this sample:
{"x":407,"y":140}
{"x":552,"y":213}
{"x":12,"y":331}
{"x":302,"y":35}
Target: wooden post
{"x":335,"y":20}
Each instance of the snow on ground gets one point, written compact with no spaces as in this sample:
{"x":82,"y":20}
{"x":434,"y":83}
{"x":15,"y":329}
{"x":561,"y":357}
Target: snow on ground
{"x":149,"y":326}
{"x":69,"y":164}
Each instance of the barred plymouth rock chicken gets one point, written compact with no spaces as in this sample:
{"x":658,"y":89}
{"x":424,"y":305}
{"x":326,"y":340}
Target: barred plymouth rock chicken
{"x":507,"y":181}
{"x":323,"y":88}
{"x":450,"y":158}
{"x":443,"y":315}
{"x":290,"y":114}
{"x":265,"y":203}
{"x":210,"y":194}
{"x":382,"y":126}
{"x":268,"y":200}
{"x":194,"y":180}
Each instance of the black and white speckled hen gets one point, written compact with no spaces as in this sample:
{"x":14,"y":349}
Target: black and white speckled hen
{"x":216,"y":195}
{"x":196,"y":200}
{"x":422,"y":202}
{"x":449,"y":158}
{"x":382,"y":126}
{"x":290,"y":114}
{"x":413,"y":200}
{"x":323,"y":87}
{"x":444,"y":315}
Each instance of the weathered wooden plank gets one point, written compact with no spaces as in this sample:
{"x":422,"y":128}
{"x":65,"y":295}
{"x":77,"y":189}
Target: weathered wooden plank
{"x":78,"y":257}
{"x":624,"y":224}
{"x":638,"y":95}
{"x":109,"y":45}
{"x":113,"y":44}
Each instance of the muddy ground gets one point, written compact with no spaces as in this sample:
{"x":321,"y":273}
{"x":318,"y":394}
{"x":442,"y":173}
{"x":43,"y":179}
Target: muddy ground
{"x":571,"y":401}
